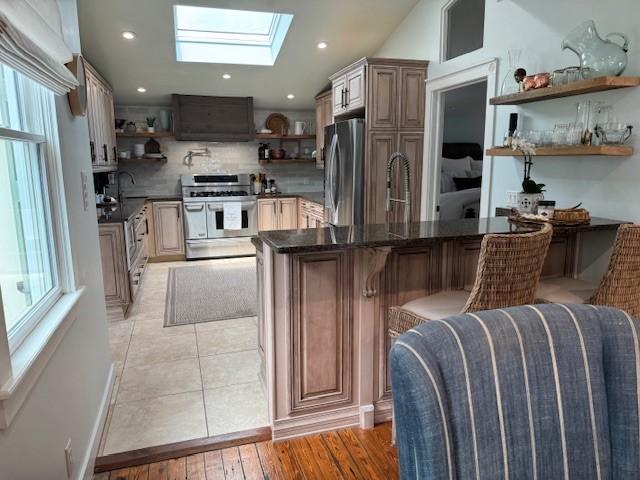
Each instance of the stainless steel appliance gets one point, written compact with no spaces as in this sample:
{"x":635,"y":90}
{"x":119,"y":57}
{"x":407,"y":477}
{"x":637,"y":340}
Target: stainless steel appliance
{"x":212,"y":204}
{"x":344,"y":172}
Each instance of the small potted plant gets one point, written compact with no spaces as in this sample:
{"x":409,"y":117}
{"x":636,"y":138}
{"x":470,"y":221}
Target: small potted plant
{"x":151,"y":124}
{"x":532,"y":192}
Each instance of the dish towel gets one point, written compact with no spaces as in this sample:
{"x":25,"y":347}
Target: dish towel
{"x":232,"y":215}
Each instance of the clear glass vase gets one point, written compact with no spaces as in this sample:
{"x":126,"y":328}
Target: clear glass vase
{"x":509,"y":84}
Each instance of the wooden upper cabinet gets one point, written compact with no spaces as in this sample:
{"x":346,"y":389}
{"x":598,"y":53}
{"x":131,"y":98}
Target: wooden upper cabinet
{"x":382,"y":100}
{"x":412,"y":98}
{"x":355,"y":95}
{"x":324,"y":117}
{"x":338,"y":88}
{"x":288,"y":210}
{"x":169,"y":234}
{"x":100,"y":115}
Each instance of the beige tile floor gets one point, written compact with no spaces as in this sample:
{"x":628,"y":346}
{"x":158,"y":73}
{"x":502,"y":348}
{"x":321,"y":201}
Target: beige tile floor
{"x":184,"y":382}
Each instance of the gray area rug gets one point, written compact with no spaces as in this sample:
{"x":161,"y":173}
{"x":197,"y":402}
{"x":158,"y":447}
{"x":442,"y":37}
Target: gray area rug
{"x":206,"y":293}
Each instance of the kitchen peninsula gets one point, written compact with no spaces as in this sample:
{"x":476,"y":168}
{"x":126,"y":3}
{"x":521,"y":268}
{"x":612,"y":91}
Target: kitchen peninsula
{"x":323,"y":296}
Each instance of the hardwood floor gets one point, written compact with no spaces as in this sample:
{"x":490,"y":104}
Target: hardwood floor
{"x":345,"y":454}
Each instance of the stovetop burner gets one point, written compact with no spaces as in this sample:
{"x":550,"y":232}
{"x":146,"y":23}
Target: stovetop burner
{"x":226,"y":193}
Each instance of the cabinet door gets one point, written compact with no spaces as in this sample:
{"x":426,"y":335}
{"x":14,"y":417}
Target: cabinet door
{"x":302,"y":215}
{"x":321,"y":330}
{"x":412,"y":98}
{"x":91,"y":116}
{"x":338,"y":87}
{"x":288,"y":214}
{"x":114,"y":264}
{"x":355,"y":89}
{"x":169,"y":234}
{"x":110,"y":128}
{"x":383,"y":97}
{"x":380,"y":146}
{"x":267,"y":214}
{"x":411,"y":144}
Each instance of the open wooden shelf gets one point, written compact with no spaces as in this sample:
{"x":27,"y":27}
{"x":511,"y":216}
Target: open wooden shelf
{"x":573,"y":151}
{"x":144,"y":134}
{"x":275,"y":136}
{"x":288,"y":161}
{"x":580,"y":87}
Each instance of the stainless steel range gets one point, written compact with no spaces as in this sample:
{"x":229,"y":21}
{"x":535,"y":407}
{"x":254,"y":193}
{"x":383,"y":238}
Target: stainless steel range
{"x":220,"y":215}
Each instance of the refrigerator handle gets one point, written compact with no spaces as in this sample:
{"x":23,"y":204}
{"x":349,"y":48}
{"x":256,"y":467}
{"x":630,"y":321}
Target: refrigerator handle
{"x":333,"y":149}
{"x":335,"y":182}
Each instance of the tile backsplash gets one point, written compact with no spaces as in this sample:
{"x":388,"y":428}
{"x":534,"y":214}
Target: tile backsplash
{"x":162,"y":178}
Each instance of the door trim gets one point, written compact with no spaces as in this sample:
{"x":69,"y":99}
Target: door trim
{"x":467,"y":74}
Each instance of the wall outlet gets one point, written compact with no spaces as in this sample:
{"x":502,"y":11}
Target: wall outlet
{"x":512,"y":198}
{"x":68,"y":457}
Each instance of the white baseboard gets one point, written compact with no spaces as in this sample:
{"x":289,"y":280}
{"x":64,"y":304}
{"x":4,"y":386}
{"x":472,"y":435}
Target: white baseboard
{"x":86,"y":470}
{"x":316,"y":423}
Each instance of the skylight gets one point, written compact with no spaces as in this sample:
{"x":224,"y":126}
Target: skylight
{"x":216,"y":35}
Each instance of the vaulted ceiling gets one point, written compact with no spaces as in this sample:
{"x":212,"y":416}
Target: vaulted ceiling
{"x":352,"y":28}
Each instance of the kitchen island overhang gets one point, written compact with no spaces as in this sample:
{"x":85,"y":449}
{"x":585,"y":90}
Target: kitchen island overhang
{"x":323,"y":299}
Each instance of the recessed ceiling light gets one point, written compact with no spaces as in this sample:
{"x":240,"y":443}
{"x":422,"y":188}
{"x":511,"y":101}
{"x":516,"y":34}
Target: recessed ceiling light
{"x":322,"y":45}
{"x":142,"y":89}
{"x":226,"y":76}
{"x":291,"y":96}
{"x":129,"y":35}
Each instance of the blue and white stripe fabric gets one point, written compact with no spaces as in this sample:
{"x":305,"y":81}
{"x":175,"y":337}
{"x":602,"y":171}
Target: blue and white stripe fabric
{"x":534,"y":392}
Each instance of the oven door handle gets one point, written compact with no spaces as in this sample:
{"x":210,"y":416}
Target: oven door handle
{"x":193,"y":208}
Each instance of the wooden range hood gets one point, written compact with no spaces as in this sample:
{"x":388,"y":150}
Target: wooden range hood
{"x":213,"y":119}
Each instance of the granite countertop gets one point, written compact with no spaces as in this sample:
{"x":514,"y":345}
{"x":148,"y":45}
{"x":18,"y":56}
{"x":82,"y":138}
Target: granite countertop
{"x":316,"y":197}
{"x":397,"y":235}
{"x":158,"y":197}
{"x":120,"y":213}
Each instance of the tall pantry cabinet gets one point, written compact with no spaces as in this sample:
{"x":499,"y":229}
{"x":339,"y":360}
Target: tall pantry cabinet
{"x":390,"y":95}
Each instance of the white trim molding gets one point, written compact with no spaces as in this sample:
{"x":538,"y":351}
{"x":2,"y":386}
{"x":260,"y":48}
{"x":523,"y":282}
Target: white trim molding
{"x":32,"y":356}
{"x":462,"y":74}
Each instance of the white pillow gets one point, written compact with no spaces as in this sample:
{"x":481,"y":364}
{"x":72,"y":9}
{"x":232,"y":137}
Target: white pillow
{"x":458,"y":167}
{"x":476,"y":168}
{"x":446,"y":182}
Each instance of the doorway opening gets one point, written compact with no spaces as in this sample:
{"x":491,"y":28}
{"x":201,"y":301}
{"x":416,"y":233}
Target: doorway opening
{"x":462,"y":151}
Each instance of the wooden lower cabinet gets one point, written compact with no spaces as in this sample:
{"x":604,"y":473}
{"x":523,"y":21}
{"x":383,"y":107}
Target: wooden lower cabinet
{"x":310,"y":214}
{"x":262,"y":335}
{"x":114,"y":265}
{"x":321,"y":330}
{"x":168,"y":228}
{"x":277,"y":213}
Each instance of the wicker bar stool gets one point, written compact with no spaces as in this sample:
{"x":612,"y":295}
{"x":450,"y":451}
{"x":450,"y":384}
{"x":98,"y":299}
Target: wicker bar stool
{"x":620,"y":286}
{"x":509,"y":268}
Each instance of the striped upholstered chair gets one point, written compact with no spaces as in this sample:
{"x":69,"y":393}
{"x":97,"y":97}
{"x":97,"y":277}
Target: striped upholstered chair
{"x":534,"y":392}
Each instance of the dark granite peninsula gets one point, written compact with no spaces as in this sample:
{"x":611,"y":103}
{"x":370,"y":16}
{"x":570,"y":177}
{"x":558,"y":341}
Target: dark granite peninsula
{"x":323,"y":297}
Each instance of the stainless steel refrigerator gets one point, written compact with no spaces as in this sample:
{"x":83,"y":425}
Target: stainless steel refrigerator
{"x":344,"y":172}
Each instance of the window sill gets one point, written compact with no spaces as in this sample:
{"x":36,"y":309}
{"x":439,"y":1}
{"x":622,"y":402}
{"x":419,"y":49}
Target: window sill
{"x":32,"y":356}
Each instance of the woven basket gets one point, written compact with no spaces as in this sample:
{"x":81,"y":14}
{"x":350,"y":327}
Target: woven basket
{"x":572,"y":215}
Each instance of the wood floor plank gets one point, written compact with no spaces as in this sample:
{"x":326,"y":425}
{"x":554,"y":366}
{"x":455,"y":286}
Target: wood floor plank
{"x":250,"y":462}
{"x":342,"y":457}
{"x":368,"y":468}
{"x":352,"y":454}
{"x":290,"y":467}
{"x":232,"y":464}
{"x":195,"y":467}
{"x":306,"y":459}
{"x":323,"y":457}
{"x":271,"y":464}
{"x":101,"y":476}
{"x":377,"y":452}
{"x":213,"y":465}
{"x":122,"y":474}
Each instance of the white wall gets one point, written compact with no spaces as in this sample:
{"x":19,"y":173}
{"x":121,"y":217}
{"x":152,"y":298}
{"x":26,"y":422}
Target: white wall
{"x":64,"y":402}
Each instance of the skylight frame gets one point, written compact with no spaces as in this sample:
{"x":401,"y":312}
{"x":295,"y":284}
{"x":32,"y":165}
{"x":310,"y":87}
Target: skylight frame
{"x":222,"y":45}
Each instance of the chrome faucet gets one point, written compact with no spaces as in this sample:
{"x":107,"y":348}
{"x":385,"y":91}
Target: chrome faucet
{"x":407,"y":188}
{"x":120,"y":192}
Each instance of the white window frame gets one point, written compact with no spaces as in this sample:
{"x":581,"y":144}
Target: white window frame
{"x":25,"y":354}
